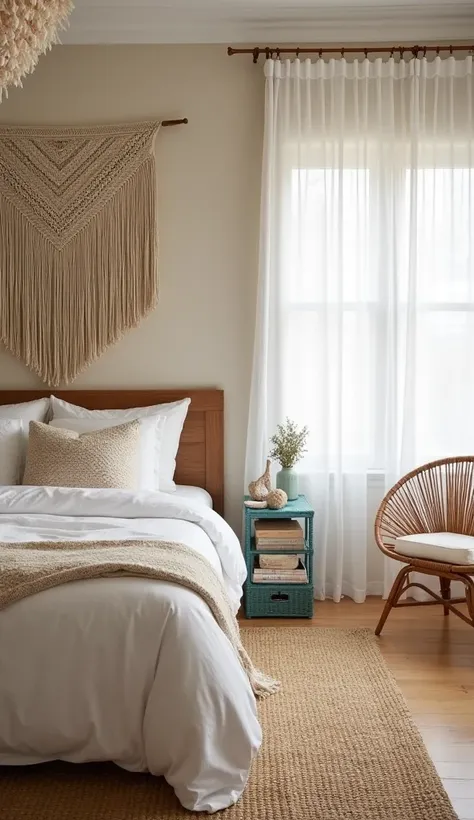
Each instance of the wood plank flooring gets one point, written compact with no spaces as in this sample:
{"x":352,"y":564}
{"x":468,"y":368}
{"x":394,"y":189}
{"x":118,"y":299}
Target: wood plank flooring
{"x":432,"y":658}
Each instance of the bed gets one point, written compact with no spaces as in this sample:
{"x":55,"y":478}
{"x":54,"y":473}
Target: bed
{"x":131,"y":669}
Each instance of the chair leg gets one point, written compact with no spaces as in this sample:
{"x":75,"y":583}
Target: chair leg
{"x":392,"y":599}
{"x":445,"y":585}
{"x":469,"y":584}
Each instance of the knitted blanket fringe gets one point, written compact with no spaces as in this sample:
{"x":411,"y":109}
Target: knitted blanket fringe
{"x":77,"y":242}
{"x":28,"y":568}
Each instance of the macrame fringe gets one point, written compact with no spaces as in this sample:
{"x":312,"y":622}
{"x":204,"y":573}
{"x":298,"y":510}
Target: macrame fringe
{"x":60,"y":309}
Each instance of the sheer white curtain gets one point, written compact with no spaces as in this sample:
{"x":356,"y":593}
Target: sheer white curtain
{"x":365,"y":312}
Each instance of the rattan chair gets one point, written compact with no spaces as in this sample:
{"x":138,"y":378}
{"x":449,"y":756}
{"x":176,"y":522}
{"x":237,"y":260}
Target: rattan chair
{"x":435,"y":498}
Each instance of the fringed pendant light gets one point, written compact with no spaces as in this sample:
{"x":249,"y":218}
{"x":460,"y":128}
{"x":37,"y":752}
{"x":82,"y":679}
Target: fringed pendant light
{"x":28,"y":28}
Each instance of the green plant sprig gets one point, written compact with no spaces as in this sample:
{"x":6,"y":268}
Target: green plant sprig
{"x":288,"y":443}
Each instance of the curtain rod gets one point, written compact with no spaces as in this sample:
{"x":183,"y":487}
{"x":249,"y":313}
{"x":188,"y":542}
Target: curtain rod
{"x":269,"y":51}
{"x":165,"y":123}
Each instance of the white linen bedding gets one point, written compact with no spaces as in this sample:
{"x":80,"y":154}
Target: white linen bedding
{"x":126,"y":669}
{"x":198,"y":494}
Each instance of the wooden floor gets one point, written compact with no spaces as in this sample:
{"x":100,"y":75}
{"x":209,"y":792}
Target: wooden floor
{"x":432,"y":658}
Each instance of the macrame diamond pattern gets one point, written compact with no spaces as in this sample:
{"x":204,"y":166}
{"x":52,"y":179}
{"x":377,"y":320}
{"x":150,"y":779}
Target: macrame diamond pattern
{"x":59,"y":183}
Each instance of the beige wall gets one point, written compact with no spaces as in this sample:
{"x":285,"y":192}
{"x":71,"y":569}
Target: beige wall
{"x":209,"y":177}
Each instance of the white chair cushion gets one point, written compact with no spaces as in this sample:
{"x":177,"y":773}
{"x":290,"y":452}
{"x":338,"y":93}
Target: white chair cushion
{"x":450,"y":547}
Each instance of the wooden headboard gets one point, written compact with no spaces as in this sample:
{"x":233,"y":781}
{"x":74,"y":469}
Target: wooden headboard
{"x":200,"y":460}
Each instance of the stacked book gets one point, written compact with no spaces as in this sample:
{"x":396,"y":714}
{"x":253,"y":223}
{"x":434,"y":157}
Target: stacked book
{"x":272,"y":534}
{"x":279,"y":576}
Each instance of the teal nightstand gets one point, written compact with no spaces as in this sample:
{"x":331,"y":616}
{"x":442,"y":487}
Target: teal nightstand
{"x":279,"y":600}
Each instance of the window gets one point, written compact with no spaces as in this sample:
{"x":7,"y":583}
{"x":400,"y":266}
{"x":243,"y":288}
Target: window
{"x":377,"y":299}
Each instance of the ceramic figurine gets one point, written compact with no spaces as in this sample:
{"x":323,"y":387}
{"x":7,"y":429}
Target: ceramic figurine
{"x":259,"y":489}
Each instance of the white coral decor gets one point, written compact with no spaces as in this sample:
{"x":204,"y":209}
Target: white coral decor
{"x":28,"y":28}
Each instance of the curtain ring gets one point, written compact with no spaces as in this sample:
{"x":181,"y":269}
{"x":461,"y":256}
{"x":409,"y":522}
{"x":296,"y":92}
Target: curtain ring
{"x":267,"y":53}
{"x":297,"y":53}
{"x":256,"y":53}
{"x":437,"y":51}
{"x":320,"y":53}
{"x":392,"y":52}
{"x":366,"y":53}
{"x":451,"y":50}
{"x":342,"y":52}
{"x":278,"y":53}
{"x":424,"y":51}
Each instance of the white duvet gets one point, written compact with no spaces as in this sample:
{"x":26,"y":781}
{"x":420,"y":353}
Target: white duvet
{"x":126,"y":669}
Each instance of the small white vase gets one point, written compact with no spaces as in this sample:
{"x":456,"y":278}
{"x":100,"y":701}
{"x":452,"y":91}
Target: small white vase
{"x":287,"y":480}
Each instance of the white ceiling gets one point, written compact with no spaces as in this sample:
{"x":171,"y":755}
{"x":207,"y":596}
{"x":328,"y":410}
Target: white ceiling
{"x":269,"y":21}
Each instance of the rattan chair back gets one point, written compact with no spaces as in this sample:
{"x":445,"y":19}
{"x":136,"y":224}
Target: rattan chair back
{"x":437,"y":497}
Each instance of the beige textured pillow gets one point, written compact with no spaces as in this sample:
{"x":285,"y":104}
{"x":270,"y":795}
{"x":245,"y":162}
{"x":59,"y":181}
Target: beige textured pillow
{"x":64,"y":458}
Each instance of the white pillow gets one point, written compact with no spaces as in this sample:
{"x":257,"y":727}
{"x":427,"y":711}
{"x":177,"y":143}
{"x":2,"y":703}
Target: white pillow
{"x":26,"y":411}
{"x":13,"y":442}
{"x":151,"y":432}
{"x":175,"y":413}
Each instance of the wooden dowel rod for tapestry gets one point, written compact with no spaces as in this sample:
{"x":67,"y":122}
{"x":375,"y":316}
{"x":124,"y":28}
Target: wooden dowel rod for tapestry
{"x":184,"y":121}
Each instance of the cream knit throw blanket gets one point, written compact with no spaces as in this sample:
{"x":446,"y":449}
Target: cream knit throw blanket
{"x":77,"y":241}
{"x":32,"y":567}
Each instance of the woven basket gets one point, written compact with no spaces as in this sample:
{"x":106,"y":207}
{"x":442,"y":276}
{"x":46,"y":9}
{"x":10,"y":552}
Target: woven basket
{"x":279,"y":600}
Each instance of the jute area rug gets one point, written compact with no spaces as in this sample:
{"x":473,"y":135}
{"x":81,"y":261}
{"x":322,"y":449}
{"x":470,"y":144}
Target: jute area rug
{"x":339,"y":745}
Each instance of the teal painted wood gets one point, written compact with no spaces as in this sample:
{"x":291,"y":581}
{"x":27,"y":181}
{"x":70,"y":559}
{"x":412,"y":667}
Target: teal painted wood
{"x":294,"y":509}
{"x":279,"y":600}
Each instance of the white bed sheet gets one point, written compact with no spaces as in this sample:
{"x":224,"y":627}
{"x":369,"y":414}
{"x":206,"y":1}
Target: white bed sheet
{"x":126,"y":669}
{"x":197,"y":494}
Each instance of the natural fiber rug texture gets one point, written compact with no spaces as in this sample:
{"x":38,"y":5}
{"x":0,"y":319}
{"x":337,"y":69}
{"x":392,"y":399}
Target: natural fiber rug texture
{"x":339,"y":744}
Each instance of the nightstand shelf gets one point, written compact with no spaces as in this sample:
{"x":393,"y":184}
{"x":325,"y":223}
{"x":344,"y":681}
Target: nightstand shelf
{"x":279,"y":552}
{"x":279,"y":599}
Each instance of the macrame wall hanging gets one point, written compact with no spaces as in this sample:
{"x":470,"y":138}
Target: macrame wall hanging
{"x":77,"y":242}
